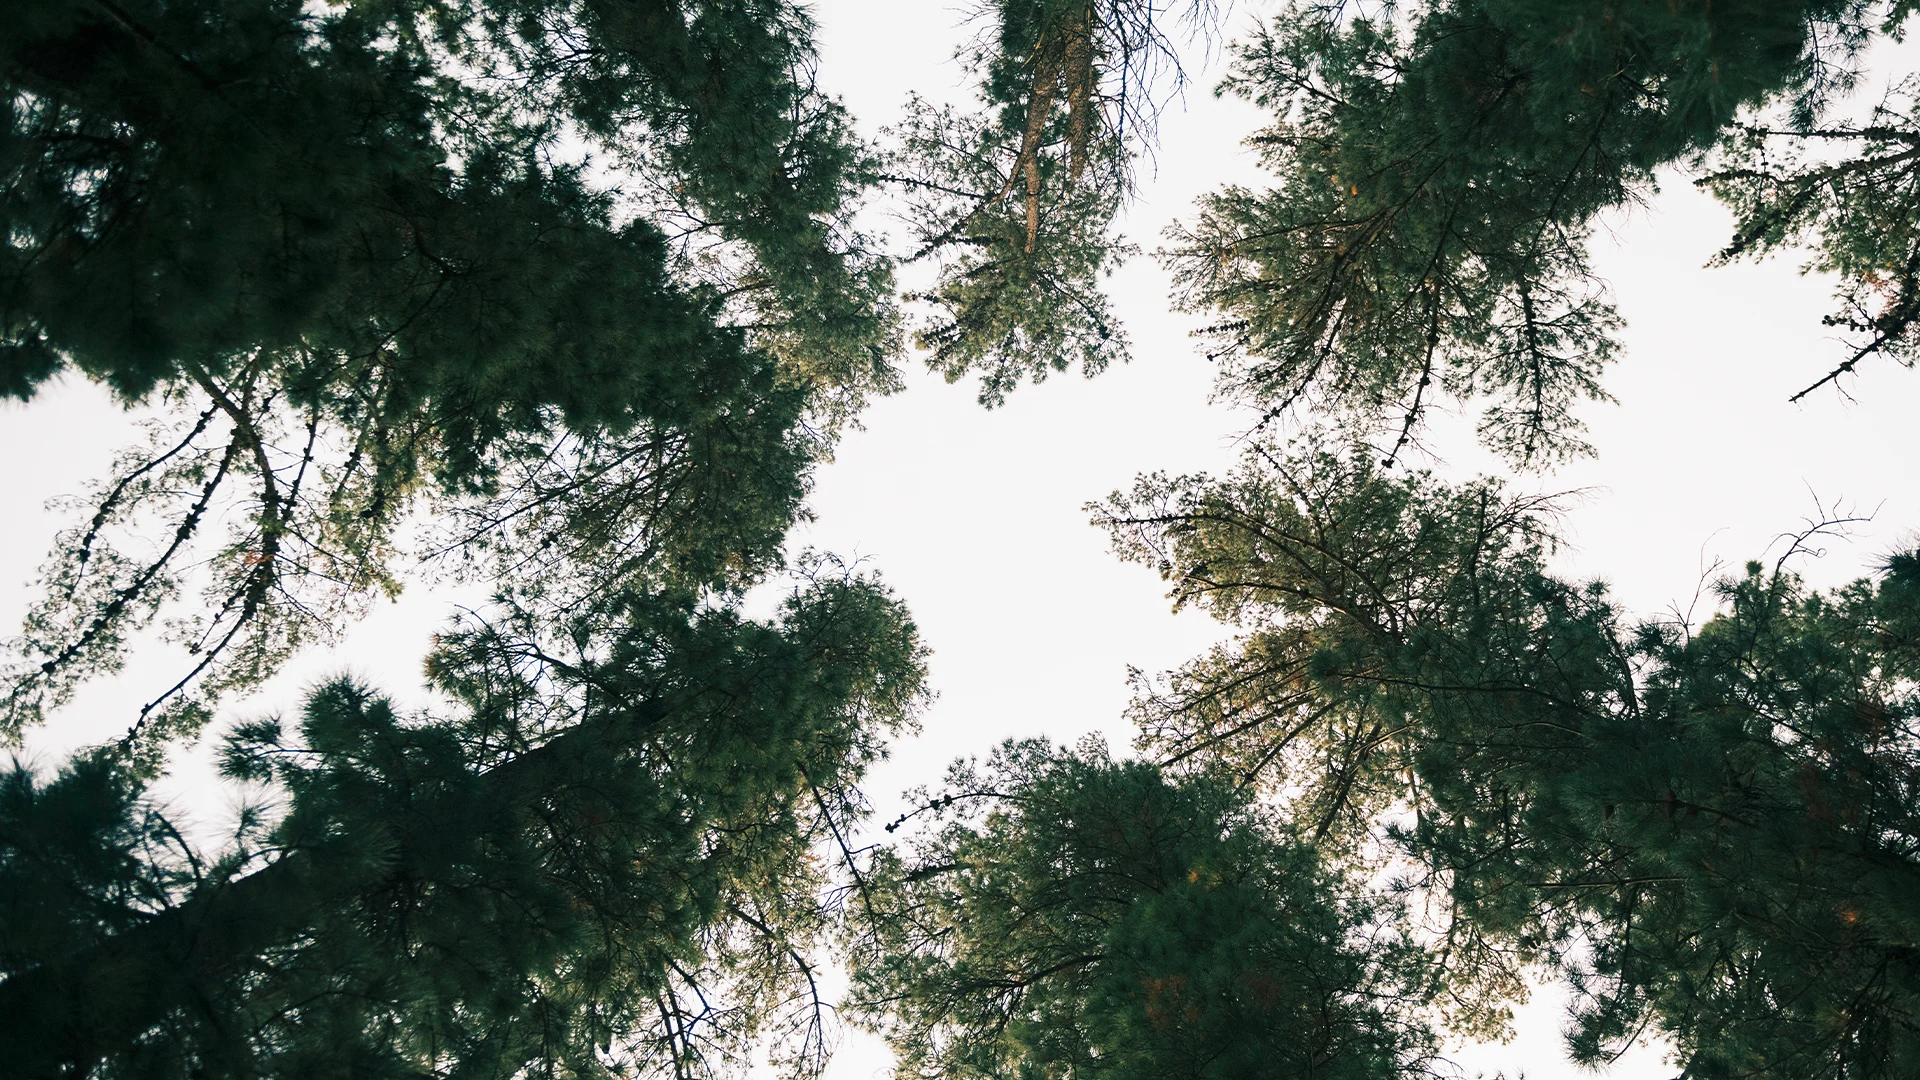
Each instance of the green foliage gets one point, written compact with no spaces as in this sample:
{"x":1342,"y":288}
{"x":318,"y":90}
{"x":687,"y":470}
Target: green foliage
{"x":367,"y":263}
{"x":1018,"y":293}
{"x":1710,"y":830}
{"x":596,"y":865}
{"x":1787,"y":190}
{"x":189,"y":183}
{"x":1779,"y":791}
{"x":79,"y":856}
{"x":576,"y":282}
{"x":1076,"y":917}
{"x":288,"y":522}
{"x":362,"y":259}
{"x":1016,"y":202}
{"x":1440,"y":165}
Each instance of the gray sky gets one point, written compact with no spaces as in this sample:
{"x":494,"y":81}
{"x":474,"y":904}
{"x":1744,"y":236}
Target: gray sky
{"x":975,"y":517}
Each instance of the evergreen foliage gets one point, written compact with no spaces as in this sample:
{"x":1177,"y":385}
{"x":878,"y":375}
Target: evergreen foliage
{"x":594,"y":865}
{"x":1710,"y":830}
{"x":564,"y":296}
{"x":1016,"y":202}
{"x":1076,"y":917}
{"x":384,"y":185}
{"x":362,"y":255}
{"x":1017,"y":293}
{"x":365,"y":260}
{"x":1440,"y":165}
{"x":286,"y":535}
{"x":1847,"y":189}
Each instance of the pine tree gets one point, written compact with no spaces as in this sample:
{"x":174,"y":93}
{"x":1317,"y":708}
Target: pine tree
{"x":595,"y":864}
{"x":1015,"y":201}
{"x":365,"y":259}
{"x":386,"y":185}
{"x":368,"y":259}
{"x":1440,"y":167}
{"x":1071,"y":916}
{"x":1709,"y":829}
{"x":1847,"y":188}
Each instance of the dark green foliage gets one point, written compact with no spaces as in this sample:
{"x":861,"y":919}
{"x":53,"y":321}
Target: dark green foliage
{"x":362,"y":255}
{"x":1018,"y":295}
{"x":365,"y":261}
{"x":572,"y":872}
{"x":189,"y":183}
{"x":1016,"y":203}
{"x":1712,"y":831}
{"x":79,"y":856}
{"x":1787,"y":188}
{"x":1075,"y":917}
{"x":1440,"y":165}
{"x":312,"y":536}
{"x":577,"y":279}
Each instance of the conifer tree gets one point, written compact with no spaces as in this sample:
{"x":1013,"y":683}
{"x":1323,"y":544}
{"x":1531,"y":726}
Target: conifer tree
{"x":364,"y":257}
{"x":1652,"y":810}
{"x":1015,"y":202}
{"x":369,"y":259}
{"x":385,"y":185}
{"x":1071,"y":916}
{"x":596,"y":863}
{"x":1709,"y":829}
{"x":1440,"y":166}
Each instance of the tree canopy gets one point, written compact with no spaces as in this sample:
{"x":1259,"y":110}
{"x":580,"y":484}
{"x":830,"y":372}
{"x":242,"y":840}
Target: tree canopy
{"x":569,"y":299}
{"x":587,"y":866}
{"x":365,"y":252}
{"x":1102,"y":919}
{"x":1440,"y":167}
{"x":1708,"y":828}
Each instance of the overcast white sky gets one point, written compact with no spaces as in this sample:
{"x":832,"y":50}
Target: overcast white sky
{"x":975,"y":517}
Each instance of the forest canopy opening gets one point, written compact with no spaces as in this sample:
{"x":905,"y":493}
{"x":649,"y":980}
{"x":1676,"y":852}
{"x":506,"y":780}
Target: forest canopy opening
{"x":571,"y":302}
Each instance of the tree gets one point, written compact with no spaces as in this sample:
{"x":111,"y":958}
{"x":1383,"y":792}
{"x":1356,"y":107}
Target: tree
{"x":1783,"y":182}
{"x":1073,"y":916}
{"x":594,"y":864}
{"x":363,"y":257}
{"x":579,"y":279}
{"x":1015,"y":202}
{"x":365,"y":260}
{"x":1440,"y":166}
{"x":385,"y":185}
{"x":1710,"y":830}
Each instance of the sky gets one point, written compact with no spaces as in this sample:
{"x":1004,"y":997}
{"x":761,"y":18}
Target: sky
{"x":976,"y":517}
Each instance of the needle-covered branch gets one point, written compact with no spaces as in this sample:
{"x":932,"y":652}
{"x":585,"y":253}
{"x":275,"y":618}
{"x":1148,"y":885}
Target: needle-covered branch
{"x":507,"y":888}
{"x":1439,"y":168}
{"x":1106,"y":920}
{"x":1711,"y":829}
